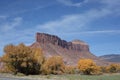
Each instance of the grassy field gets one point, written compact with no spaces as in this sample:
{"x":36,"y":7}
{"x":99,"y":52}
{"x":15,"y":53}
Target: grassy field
{"x":88,"y":77}
{"x":62,"y":77}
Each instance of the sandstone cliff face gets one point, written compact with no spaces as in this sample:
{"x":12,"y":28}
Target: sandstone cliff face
{"x":74,"y":45}
{"x":70,"y":51}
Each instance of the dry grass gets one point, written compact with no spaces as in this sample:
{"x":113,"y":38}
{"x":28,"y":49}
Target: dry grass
{"x":60,"y":77}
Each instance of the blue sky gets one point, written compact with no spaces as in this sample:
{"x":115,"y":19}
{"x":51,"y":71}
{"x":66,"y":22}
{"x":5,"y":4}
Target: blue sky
{"x":96,"y":22}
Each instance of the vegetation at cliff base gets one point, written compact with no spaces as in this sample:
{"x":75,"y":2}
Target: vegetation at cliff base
{"x":31,"y":61}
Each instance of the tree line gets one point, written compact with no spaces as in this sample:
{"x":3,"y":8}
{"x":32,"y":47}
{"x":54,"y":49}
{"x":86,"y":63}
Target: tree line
{"x":26,"y":60}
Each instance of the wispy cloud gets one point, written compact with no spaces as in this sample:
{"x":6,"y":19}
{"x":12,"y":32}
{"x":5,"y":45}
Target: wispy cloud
{"x":96,"y":32}
{"x":81,"y":21}
{"x":113,"y":5}
{"x":71,"y":3}
{"x":65,"y":23}
{"x":9,"y":25}
{"x":73,"y":23}
{"x":103,"y":32}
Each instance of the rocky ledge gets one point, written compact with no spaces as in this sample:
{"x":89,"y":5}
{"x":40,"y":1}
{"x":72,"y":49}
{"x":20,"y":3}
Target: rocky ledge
{"x":73,"y":45}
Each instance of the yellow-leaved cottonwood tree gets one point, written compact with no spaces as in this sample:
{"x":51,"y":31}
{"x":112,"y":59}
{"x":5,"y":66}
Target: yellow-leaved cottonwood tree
{"x":113,"y":68}
{"x":22,"y":59}
{"x":87,"y":66}
{"x":54,"y":65}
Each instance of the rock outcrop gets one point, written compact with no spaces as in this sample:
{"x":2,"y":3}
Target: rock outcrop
{"x":70,"y":51}
{"x":74,"y":45}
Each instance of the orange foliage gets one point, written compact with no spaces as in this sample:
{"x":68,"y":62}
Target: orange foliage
{"x":113,"y":68}
{"x":53,"y":65}
{"x":23,"y":59}
{"x":69,"y":69}
{"x":87,"y":66}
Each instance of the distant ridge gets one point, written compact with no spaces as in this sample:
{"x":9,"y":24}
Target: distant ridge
{"x":111,"y":57}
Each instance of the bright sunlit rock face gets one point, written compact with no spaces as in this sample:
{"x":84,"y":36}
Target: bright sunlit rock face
{"x":77,"y":45}
{"x":79,"y":42}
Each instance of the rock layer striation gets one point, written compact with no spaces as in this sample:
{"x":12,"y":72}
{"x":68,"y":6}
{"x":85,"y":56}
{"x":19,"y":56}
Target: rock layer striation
{"x":74,"y":45}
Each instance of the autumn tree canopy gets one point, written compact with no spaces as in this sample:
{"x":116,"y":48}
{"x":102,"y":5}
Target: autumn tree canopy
{"x":87,"y":66}
{"x":54,"y":65}
{"x":23,"y":59}
{"x":113,"y":68}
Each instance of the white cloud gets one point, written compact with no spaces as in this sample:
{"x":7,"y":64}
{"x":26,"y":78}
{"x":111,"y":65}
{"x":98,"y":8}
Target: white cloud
{"x":71,"y":3}
{"x":7,"y":35}
{"x":97,"y":32}
{"x":64,"y":23}
{"x":73,"y":23}
{"x":111,"y":4}
{"x":9,"y":25}
{"x":81,"y":21}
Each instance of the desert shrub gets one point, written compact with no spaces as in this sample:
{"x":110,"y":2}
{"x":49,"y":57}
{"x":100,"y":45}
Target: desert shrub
{"x":103,"y":69}
{"x":87,"y":66}
{"x":22,"y":59}
{"x":53,"y":65}
{"x":69,"y":69}
{"x":113,"y":68}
